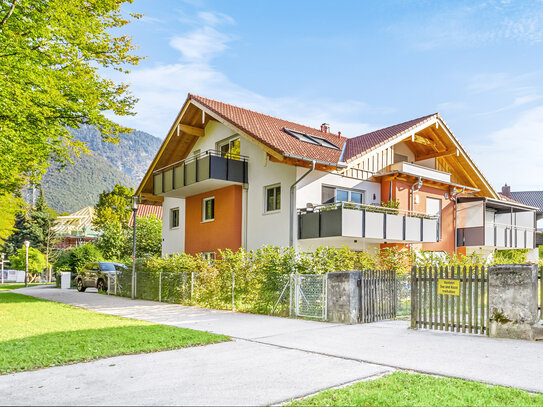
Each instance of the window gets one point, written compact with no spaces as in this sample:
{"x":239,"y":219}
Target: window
{"x":331,"y":195}
{"x":208,"y":209}
{"x":342,"y":195}
{"x":433,"y":208}
{"x":273,"y":198}
{"x":230,"y":149}
{"x":209,"y":256}
{"x":174,"y":218}
{"x":311,"y":139}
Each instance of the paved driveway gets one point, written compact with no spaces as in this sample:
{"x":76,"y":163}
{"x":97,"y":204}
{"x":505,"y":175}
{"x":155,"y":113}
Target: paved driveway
{"x":273,"y":359}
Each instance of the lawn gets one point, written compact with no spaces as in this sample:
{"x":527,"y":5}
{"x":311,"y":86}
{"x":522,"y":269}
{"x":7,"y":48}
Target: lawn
{"x":407,"y":389}
{"x":36,"y":333}
{"x":14,"y":286}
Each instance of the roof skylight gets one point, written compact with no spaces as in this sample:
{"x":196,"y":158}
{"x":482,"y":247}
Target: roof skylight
{"x":308,"y":138}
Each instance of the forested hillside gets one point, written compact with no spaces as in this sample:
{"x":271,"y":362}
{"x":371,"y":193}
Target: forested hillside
{"x":78,"y":185}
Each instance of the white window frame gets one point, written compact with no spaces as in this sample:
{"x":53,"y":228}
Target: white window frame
{"x":228,"y":141}
{"x":363,"y":192}
{"x":204,"y":209}
{"x":266,"y":188}
{"x":172,"y":210}
{"x":208,"y":256}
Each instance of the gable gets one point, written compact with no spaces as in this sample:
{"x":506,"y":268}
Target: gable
{"x":282,"y":140}
{"x":431,"y":143}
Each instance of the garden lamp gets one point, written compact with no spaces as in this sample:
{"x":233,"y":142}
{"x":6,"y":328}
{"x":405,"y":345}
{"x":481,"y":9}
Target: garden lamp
{"x":135,"y":211}
{"x":27,"y":245}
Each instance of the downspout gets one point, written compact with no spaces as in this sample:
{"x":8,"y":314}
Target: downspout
{"x":455,"y":196}
{"x":293,"y":203}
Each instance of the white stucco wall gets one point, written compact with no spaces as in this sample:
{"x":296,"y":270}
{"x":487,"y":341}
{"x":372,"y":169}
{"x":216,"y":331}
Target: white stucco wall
{"x":310,"y":188}
{"x":266,"y":228}
{"x":403,"y":149}
{"x":173,"y":240}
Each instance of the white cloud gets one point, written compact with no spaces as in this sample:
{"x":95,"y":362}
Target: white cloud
{"x":201,"y":44}
{"x":162,"y":89}
{"x":513,"y":154}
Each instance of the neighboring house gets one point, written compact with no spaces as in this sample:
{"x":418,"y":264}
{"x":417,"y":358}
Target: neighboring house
{"x":75,"y":229}
{"x":228,"y":177}
{"x":531,"y":198}
{"x":145,"y":210}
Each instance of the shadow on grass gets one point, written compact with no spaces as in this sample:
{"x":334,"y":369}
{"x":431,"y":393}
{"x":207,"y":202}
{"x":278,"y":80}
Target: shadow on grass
{"x":59,"y":348}
{"x":14,"y":298}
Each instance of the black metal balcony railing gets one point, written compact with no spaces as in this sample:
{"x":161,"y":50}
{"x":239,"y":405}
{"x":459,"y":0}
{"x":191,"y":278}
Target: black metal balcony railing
{"x":210,"y":164}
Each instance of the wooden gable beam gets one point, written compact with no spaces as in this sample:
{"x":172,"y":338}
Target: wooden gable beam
{"x":444,"y":153}
{"x":193,"y":131}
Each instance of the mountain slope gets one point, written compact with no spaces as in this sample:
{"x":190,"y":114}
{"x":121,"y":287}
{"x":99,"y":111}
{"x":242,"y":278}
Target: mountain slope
{"x":78,"y":185}
{"x":132,"y":155}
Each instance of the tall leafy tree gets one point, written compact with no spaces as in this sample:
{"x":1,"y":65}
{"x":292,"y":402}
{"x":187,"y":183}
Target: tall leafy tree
{"x":52,"y":55}
{"x":113,"y":207}
{"x":10,"y":206}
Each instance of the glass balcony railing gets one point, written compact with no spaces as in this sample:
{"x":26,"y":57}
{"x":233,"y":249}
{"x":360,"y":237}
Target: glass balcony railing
{"x":210,"y":164}
{"x":349,"y":219}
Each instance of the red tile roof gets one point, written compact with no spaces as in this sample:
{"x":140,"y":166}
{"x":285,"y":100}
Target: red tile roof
{"x":144,"y":211}
{"x":356,"y":146}
{"x":269,"y":131}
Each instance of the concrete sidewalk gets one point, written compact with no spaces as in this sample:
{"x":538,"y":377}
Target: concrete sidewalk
{"x":379,"y":346}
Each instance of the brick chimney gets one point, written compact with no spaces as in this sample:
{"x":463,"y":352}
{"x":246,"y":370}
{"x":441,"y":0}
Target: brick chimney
{"x":325,"y":128}
{"x":506,"y":191}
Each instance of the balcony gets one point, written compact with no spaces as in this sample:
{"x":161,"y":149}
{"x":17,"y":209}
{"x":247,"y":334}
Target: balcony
{"x":206,"y":171}
{"x":420,"y":171}
{"x":500,"y":225}
{"x":371,"y":222}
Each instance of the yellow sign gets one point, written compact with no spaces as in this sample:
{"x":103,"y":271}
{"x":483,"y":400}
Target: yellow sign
{"x":448,"y":286}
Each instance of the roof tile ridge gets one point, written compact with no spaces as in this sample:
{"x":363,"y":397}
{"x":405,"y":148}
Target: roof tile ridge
{"x":191,"y":95}
{"x":397,"y":124}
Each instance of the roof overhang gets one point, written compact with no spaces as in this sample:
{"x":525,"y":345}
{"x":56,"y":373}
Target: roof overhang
{"x":498,"y":203}
{"x":433,"y":180}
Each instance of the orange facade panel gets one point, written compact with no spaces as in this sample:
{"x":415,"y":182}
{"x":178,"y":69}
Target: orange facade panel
{"x":224,"y":232}
{"x":401,"y":191}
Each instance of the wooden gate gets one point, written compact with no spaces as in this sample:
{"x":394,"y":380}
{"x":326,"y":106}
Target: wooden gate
{"x":377,"y":295}
{"x":450,"y":299}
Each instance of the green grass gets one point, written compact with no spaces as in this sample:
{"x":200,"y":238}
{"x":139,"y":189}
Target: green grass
{"x":36,"y":333}
{"x":14,"y":286}
{"x":406,"y":389}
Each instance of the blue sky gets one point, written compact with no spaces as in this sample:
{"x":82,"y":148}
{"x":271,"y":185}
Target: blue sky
{"x":358,"y":65}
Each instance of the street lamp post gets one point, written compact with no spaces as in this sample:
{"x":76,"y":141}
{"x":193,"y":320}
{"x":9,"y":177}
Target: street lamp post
{"x":3,"y":268}
{"x":135,"y":211}
{"x":27,"y":245}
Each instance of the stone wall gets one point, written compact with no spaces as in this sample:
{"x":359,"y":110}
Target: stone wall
{"x":512,"y":301}
{"x":343,"y":299}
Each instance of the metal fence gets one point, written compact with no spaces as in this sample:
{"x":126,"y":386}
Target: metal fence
{"x":220,"y":291}
{"x":308,"y":295}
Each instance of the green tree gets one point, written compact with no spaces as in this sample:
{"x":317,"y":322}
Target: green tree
{"x":148,"y":237}
{"x":113,"y":207}
{"x":51,"y":55}
{"x":113,"y":242}
{"x":75,"y":258}
{"x":36,"y":262}
{"x":10,"y":206}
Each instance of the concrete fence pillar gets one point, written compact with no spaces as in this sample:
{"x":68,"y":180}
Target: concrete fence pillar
{"x":512,"y":301}
{"x":343,"y":299}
